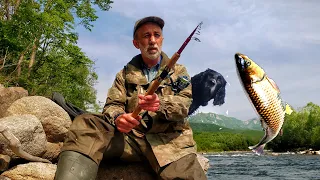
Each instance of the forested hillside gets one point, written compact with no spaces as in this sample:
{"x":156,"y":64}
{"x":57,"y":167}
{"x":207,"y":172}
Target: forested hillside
{"x":301,"y":130}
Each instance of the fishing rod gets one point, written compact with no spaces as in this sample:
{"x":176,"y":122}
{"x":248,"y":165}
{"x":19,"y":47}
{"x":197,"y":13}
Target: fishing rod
{"x":155,"y":84}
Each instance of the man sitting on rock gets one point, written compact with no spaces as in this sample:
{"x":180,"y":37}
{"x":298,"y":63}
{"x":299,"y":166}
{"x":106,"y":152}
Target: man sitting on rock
{"x":162,"y":137}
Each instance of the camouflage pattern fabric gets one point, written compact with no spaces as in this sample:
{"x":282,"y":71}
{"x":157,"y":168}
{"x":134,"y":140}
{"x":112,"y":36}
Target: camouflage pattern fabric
{"x":168,"y":132}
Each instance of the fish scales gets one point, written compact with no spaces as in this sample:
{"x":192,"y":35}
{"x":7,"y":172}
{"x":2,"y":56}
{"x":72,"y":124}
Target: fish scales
{"x":267,"y":104}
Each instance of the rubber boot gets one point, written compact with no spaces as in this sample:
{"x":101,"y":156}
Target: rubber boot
{"x":75,"y":166}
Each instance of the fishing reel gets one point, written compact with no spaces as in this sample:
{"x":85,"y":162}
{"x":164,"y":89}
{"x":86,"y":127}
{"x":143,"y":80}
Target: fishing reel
{"x":181,"y":83}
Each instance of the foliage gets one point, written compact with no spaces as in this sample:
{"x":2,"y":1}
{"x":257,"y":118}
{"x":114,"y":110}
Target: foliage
{"x":211,"y":137}
{"x":301,"y":130}
{"x":224,"y":141}
{"x":38,"y":48}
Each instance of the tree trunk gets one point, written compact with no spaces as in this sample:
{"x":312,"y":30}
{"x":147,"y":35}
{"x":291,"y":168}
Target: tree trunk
{"x":7,"y":9}
{"x":33,"y":55}
{"x":3,"y":61}
{"x":21,"y":58}
{"x":19,"y":63}
{"x":16,"y":5}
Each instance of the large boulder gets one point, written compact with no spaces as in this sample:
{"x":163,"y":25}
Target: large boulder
{"x":52,"y":151}
{"x":4,"y":178}
{"x":31,"y":171}
{"x":8,"y":96}
{"x":55,"y":120}
{"x":4,"y":162}
{"x":28,"y":130}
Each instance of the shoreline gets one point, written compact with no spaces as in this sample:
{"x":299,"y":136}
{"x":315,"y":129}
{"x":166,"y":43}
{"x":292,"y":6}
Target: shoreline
{"x":266,"y":152}
{"x":226,"y":152}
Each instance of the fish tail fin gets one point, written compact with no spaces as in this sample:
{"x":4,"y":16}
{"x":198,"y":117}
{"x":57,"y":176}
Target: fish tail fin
{"x":257,"y":149}
{"x":288,"y":109}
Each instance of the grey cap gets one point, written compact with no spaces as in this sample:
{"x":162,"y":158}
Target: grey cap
{"x":144,"y":20}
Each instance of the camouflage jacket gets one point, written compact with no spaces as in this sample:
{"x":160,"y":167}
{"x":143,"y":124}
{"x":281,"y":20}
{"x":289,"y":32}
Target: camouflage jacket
{"x":170,"y":134}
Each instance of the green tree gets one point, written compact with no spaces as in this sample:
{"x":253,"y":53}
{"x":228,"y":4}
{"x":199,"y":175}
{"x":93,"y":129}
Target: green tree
{"x":38,"y":48}
{"x":300,"y":130}
{"x":315,"y":138}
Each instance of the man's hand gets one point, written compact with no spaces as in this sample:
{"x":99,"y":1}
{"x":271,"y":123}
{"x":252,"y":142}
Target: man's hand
{"x":125,"y":122}
{"x":149,"y":102}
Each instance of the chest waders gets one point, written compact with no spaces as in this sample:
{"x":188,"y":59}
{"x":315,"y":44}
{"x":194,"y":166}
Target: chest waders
{"x":73,"y":165}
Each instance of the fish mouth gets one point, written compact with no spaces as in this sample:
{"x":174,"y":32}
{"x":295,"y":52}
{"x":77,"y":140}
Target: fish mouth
{"x":240,"y":62}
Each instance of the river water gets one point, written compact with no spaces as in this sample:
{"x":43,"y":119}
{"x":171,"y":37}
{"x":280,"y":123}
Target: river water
{"x":247,"y":166}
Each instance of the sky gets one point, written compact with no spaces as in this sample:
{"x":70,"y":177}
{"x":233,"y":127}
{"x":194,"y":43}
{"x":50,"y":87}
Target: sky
{"x":281,"y":36}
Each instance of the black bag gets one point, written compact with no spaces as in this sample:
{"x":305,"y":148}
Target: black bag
{"x":71,"y":109}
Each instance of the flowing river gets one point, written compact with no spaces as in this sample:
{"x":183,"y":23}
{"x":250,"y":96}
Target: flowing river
{"x":247,"y":166}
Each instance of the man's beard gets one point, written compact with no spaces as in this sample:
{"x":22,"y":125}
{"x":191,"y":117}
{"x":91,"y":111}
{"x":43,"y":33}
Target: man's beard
{"x":152,"y":56}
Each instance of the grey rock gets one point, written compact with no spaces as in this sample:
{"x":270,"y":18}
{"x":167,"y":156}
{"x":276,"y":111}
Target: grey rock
{"x":4,"y":162}
{"x":28,"y":130}
{"x":52,"y":151}
{"x":8,"y":96}
{"x":54,"y":119}
{"x":31,"y":171}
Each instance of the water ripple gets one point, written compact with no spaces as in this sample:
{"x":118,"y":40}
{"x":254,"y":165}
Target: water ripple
{"x":246,"y":166}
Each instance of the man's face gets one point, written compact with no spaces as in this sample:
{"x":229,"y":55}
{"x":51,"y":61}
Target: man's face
{"x":149,"y":40}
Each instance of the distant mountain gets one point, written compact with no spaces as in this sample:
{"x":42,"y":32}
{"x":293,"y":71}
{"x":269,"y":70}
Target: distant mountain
{"x":253,"y":123}
{"x":225,"y":121}
{"x":203,"y":127}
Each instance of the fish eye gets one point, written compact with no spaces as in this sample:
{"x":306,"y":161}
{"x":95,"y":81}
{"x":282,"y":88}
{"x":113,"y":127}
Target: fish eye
{"x":248,"y":63}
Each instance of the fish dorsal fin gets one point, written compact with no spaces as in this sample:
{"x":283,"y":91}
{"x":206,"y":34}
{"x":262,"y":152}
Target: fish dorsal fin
{"x":288,"y":109}
{"x":274,"y":85}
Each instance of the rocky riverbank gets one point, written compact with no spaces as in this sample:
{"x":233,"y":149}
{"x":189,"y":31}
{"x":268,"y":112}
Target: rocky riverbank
{"x":33,"y":129}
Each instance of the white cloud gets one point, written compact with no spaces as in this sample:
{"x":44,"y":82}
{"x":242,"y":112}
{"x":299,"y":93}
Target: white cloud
{"x":281,"y":36}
